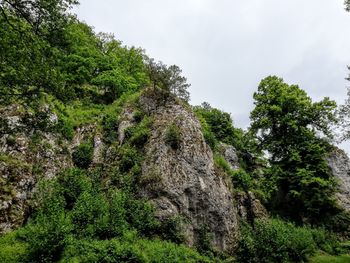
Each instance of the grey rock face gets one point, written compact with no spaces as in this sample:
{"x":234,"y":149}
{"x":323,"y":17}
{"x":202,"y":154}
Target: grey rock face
{"x":339,"y":163}
{"x":230,"y":154}
{"x":25,"y":155}
{"x":183,"y":181}
{"x":249,"y":207}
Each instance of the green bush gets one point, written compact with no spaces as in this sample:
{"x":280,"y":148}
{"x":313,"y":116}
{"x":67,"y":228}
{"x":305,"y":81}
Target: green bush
{"x":131,"y":249}
{"x":275,"y":241}
{"x":110,"y":125}
{"x":82,"y":156}
{"x":12,"y":250}
{"x":129,"y":158}
{"x":210,"y":139}
{"x":221,"y":163}
{"x":173,"y":136}
{"x":241,"y":179}
{"x":66,"y":128}
{"x":171,"y":229}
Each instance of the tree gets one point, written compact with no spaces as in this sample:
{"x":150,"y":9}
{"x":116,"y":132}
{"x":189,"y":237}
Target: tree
{"x":347,"y":5}
{"x":32,"y":39}
{"x":168,"y":79}
{"x":295,"y":131}
{"x":44,"y":16}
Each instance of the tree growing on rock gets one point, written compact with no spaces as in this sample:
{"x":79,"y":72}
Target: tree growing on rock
{"x":169,"y":79}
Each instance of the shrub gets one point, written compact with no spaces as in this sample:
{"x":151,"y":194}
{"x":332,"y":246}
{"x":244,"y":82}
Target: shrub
{"x":110,"y":127}
{"x":205,"y":238}
{"x":221,"y":163}
{"x":82,"y":156}
{"x":12,"y":250}
{"x":171,"y":229}
{"x":210,"y":139}
{"x":129,"y":158}
{"x":131,"y":249}
{"x":73,"y":182}
{"x":138,"y":116}
{"x":275,"y":241}
{"x":241,"y":179}
{"x":173,"y":136}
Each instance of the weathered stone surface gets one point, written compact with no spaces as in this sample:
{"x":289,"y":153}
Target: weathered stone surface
{"x":230,"y":154}
{"x":183,"y":181}
{"x":126,"y":122}
{"x":339,"y":164}
{"x":249,"y":207}
{"x":26,"y":154}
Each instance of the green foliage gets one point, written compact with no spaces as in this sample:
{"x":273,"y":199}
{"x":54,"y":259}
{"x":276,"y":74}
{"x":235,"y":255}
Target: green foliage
{"x":130,"y":157}
{"x":172,"y":136}
{"x":130,"y":249}
{"x":83,"y":154}
{"x":221,"y":163}
{"x":172,"y":229}
{"x":139,"y":134}
{"x":168,"y":79}
{"x":205,"y":238}
{"x":241,"y":179}
{"x":110,"y":125}
{"x":277,"y":241}
{"x":12,"y":250}
{"x":324,"y":258}
{"x":219,"y":123}
{"x":69,"y":208}
{"x":289,"y":125}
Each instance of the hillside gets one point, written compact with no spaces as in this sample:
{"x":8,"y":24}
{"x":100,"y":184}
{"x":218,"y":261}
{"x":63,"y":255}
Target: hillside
{"x":103,"y":159}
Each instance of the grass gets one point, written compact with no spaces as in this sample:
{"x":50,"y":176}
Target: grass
{"x":324,"y":258}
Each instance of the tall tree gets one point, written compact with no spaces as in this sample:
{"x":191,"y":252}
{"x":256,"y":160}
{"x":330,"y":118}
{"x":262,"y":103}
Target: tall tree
{"x":294,"y":130}
{"x":32,"y":37}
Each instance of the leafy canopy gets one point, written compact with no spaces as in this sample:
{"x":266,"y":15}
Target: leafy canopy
{"x":294,"y":130}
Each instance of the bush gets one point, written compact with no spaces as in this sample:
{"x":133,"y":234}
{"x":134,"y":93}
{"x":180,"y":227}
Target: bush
{"x":110,"y":127}
{"x":66,"y":128}
{"x":129,"y":158}
{"x":82,"y":156}
{"x":12,"y":250}
{"x":241,"y":179}
{"x":275,"y":241}
{"x":210,"y":139}
{"x":171,"y":229}
{"x":173,"y":136}
{"x":131,"y":249}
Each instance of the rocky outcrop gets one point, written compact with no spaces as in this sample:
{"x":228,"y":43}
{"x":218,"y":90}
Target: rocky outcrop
{"x":182,"y":181}
{"x":339,"y":164}
{"x":230,"y":155}
{"x":249,"y":207}
{"x":27,"y":153}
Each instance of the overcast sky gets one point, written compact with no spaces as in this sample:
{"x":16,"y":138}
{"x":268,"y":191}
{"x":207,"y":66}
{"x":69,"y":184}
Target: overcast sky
{"x":225,"y":47}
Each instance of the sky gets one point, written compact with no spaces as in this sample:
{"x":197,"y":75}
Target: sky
{"x":225,"y":47}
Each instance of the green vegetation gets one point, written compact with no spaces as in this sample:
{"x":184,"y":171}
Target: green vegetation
{"x":277,"y":241}
{"x":322,"y":258}
{"x":53,"y":63}
{"x":76,"y":219}
{"x":288,"y":125}
{"x":173,"y":136}
{"x":82,"y":156}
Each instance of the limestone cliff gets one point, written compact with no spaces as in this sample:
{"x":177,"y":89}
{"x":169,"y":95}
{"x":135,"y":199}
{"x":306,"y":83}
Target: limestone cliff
{"x":339,"y":164}
{"x":185,"y":180}
{"x":180,"y":182}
